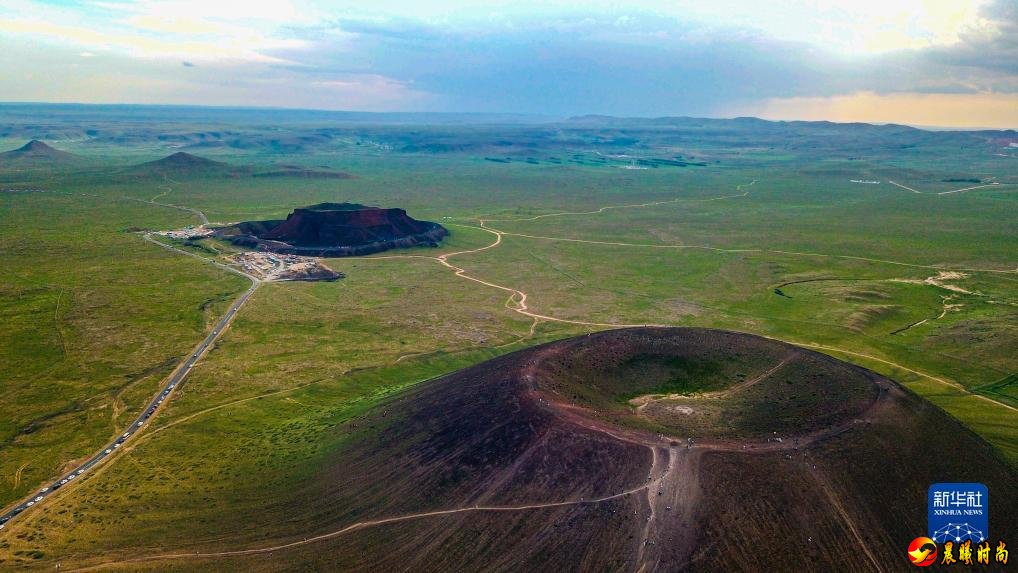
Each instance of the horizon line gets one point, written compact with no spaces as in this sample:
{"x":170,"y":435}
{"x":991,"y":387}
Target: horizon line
{"x":546,"y":118}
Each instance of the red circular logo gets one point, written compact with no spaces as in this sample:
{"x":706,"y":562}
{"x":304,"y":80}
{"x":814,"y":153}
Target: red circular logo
{"x":922,"y":552}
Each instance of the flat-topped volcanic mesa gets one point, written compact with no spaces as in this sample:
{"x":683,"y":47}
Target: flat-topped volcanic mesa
{"x":538,"y":460}
{"x":336,"y":230}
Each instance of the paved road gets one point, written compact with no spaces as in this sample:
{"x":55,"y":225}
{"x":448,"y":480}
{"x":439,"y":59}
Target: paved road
{"x":175,"y":379}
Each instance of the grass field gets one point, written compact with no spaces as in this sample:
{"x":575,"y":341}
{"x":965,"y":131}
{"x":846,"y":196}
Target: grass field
{"x":774,"y":242}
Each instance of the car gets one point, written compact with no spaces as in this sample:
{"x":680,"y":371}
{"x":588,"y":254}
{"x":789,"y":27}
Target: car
{"x":38,"y":498}
{"x":116,"y":445}
{"x":109,"y":450}
{"x":30,"y":504}
{"x":194,"y":356}
{"x":81,"y":472}
{"x":126,"y":434}
{"x":63,"y":481}
{"x":44,"y":490}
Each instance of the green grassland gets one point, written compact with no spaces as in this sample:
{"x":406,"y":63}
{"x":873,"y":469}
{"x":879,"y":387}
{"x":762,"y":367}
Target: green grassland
{"x":95,"y":316}
{"x":93,"y":320}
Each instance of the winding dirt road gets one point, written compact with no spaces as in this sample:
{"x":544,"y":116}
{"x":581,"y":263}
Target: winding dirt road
{"x":962,"y":190}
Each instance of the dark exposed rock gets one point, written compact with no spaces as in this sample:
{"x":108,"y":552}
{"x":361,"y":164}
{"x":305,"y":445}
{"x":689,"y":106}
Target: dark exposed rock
{"x":336,"y":230}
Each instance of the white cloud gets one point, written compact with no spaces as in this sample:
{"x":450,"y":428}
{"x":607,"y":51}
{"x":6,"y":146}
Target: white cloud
{"x":174,"y":29}
{"x":242,"y":47}
{"x":944,"y":110}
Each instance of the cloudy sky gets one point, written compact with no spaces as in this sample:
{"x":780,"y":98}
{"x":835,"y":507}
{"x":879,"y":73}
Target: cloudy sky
{"x":923,"y":62}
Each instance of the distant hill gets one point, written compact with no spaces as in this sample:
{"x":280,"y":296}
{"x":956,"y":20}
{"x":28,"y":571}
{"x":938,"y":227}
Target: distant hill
{"x":37,"y":153}
{"x":182,"y":161}
{"x":298,"y":172}
{"x":736,"y":123}
{"x":182,"y":164}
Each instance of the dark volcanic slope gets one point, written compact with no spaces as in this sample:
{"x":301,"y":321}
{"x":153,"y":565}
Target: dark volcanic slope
{"x":336,"y":229}
{"x":507,"y":466}
{"x":351,"y":225}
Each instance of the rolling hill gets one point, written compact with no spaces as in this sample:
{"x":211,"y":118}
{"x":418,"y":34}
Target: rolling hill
{"x":35,"y":153}
{"x":182,"y":163}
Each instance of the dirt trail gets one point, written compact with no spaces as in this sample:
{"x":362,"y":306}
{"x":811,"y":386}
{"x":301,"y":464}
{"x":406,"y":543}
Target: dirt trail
{"x":631,"y":206}
{"x":971,"y":188}
{"x":671,"y":501}
{"x":745,"y":250}
{"x":962,"y":190}
{"x":17,"y":474}
{"x":641,"y":402}
{"x":904,"y":187}
{"x":847,"y":518}
{"x":196,"y":212}
{"x":946,"y":307}
{"x":954,"y":385}
{"x":366,"y":524}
